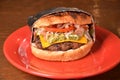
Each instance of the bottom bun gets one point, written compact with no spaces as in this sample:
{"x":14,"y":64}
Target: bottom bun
{"x":68,"y":55}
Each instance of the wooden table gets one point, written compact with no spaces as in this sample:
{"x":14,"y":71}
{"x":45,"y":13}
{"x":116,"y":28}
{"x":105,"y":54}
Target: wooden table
{"x":14,"y":14}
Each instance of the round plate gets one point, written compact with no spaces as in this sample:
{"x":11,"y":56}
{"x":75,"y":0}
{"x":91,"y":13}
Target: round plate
{"x":104,"y":55}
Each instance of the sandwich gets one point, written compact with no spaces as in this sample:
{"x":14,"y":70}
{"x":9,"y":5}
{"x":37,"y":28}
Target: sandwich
{"x":61,"y":34}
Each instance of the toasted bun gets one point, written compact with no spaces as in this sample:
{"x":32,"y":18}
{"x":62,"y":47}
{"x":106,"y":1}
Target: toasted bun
{"x":69,"y":55}
{"x":74,"y":18}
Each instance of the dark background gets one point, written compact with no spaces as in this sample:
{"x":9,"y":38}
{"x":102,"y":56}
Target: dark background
{"x":14,"y":14}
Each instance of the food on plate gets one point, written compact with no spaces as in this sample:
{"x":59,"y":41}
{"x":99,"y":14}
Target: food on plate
{"x":62,"y":34}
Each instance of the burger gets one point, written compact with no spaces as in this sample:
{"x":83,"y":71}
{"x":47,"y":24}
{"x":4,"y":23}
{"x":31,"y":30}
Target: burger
{"x":61,"y":34}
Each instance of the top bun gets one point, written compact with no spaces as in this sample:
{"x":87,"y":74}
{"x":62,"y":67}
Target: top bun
{"x":84,"y":17}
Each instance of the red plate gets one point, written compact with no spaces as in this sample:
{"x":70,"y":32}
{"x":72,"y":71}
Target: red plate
{"x":104,"y":55}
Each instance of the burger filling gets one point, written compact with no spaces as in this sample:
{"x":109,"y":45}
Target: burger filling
{"x":61,"y":37}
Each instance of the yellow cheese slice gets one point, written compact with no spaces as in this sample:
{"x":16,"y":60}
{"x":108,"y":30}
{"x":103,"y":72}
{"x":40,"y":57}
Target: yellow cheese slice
{"x":46,"y":44}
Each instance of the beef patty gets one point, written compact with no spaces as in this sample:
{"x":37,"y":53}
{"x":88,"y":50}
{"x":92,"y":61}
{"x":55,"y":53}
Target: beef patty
{"x":57,"y":47}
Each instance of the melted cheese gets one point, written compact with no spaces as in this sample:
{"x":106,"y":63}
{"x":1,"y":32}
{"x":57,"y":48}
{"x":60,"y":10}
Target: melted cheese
{"x":46,"y":44}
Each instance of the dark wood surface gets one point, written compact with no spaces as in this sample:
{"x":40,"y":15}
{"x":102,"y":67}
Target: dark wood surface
{"x":14,"y":14}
